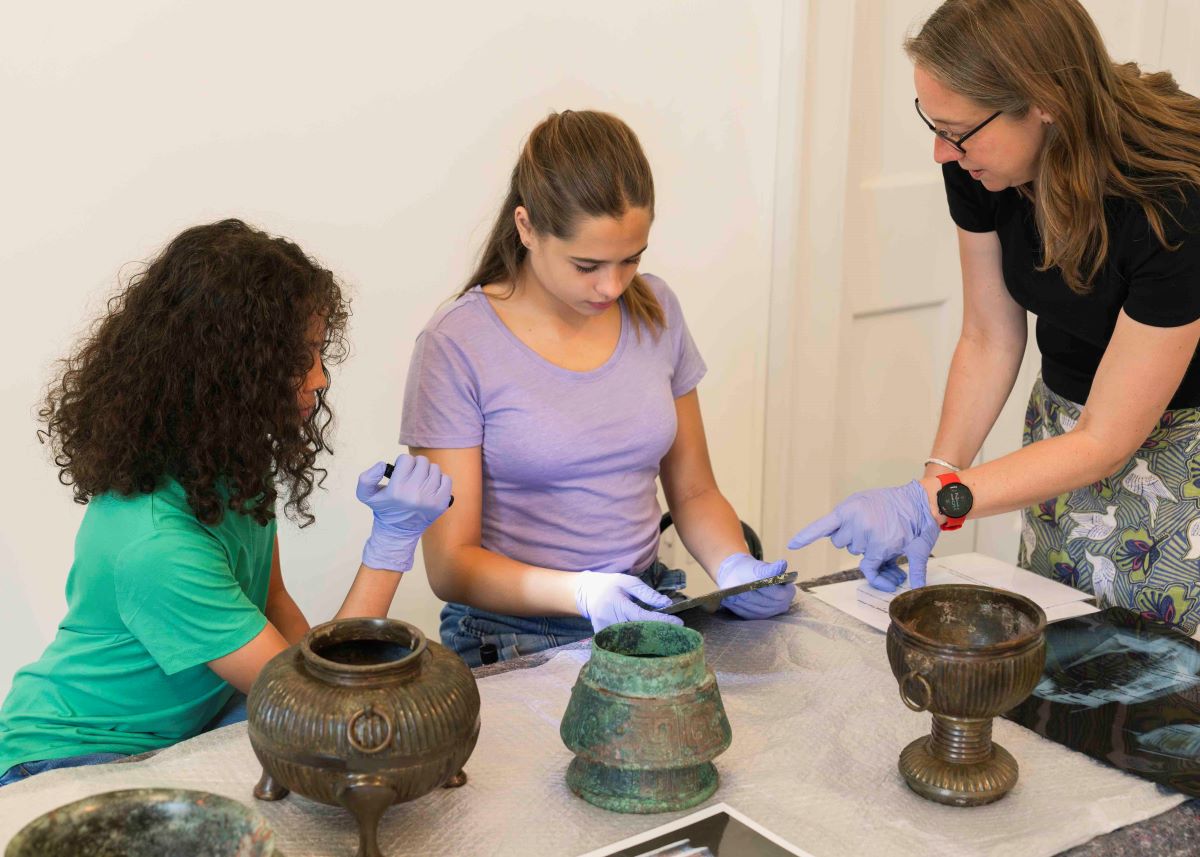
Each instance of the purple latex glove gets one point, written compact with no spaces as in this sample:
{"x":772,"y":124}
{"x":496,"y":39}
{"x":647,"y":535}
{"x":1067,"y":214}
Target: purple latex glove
{"x":880,"y":525}
{"x":758,"y":603}
{"x":606,"y":598}
{"x":415,"y":495}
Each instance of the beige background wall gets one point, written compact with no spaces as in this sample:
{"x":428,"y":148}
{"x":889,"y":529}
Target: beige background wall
{"x":380,"y":137}
{"x":799,"y":218}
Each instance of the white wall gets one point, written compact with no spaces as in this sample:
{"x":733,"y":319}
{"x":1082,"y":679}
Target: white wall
{"x":379,"y":136}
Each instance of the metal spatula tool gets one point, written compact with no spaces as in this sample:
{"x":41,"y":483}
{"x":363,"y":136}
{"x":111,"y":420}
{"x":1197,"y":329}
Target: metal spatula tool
{"x":713,"y":599}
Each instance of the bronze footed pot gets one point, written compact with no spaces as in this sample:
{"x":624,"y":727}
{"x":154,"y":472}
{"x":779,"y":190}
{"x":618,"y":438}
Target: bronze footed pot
{"x":645,"y":720}
{"x":966,"y":654}
{"x":363,"y":713}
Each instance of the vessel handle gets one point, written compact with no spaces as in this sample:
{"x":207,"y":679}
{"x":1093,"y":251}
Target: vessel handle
{"x":369,"y":711}
{"x":913,"y":675}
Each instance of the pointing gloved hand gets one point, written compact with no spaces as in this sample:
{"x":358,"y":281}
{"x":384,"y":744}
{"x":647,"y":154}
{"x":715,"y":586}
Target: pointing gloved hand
{"x":880,"y":525}
{"x":606,"y":598}
{"x":758,"y":603}
{"x":416,"y":494}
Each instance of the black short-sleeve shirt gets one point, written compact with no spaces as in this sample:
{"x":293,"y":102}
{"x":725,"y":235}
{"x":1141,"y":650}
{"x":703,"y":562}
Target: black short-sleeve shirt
{"x":1153,"y":284}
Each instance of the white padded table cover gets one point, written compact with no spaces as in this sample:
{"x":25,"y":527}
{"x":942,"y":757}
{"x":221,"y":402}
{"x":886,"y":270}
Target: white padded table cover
{"x":817,"y":729}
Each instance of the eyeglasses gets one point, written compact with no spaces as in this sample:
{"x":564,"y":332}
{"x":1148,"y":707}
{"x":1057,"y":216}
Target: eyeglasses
{"x":954,"y":140}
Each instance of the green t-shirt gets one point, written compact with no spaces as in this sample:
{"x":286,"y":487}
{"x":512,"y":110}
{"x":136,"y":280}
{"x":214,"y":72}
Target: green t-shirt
{"x":152,"y":596}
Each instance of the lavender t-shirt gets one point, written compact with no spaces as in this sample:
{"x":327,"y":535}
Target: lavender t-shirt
{"x":570,"y":459}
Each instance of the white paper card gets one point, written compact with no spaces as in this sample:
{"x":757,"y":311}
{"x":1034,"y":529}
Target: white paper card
{"x":1069,"y":611}
{"x":859,"y":599}
{"x":989,"y":571}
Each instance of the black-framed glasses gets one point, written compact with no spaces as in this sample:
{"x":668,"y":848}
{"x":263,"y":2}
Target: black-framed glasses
{"x":954,"y":140}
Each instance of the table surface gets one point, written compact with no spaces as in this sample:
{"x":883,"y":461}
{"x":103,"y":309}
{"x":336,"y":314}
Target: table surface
{"x":1175,"y":833}
{"x":1171,"y":834}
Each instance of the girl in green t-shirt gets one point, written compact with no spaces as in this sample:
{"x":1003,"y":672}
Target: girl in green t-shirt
{"x":195,"y":404}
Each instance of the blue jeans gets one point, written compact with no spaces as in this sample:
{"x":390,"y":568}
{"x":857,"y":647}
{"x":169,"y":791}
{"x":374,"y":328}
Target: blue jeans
{"x":464,"y":629}
{"x":28,"y":769}
{"x":234,"y":711}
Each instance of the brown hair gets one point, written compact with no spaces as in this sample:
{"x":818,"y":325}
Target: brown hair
{"x":194,"y":373}
{"x":1117,"y":132}
{"x":575,"y":163}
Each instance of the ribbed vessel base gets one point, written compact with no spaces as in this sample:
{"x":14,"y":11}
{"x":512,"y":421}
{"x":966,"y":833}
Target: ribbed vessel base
{"x":957,"y":784}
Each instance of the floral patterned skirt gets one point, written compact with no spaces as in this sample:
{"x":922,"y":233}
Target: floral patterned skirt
{"x":1132,"y":539}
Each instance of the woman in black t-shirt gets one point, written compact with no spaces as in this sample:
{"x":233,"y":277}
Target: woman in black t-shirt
{"x":1075,"y":184}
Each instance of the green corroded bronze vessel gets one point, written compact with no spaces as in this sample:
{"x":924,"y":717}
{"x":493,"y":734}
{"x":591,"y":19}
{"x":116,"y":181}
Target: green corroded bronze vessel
{"x":363,"y":713}
{"x":147,"y":823}
{"x":966,"y":654}
{"x":645,"y":720}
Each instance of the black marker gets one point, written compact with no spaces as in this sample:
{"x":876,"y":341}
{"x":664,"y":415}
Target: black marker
{"x":387,"y":474}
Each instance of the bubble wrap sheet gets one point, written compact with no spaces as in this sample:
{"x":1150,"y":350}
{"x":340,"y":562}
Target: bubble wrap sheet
{"x":817,"y":729}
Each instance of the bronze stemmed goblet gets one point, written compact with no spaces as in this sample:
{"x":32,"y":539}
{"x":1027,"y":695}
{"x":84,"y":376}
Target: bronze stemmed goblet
{"x":966,"y":654}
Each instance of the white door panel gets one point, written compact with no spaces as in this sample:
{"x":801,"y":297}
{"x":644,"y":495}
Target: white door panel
{"x":887,"y":419}
{"x":902,"y":246}
{"x":1181,"y":35}
{"x":905,"y":144}
{"x":1131,"y":31}
{"x":902,"y":302}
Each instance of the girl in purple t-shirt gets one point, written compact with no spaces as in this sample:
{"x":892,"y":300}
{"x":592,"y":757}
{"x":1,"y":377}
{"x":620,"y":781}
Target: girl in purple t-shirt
{"x":554,"y":391}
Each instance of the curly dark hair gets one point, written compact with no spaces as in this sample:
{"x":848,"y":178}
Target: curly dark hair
{"x":194,"y":373}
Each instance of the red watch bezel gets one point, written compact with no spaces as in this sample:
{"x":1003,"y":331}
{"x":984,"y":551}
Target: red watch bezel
{"x":951,"y":523}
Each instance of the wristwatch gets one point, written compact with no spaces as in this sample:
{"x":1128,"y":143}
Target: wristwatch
{"x":954,"y":500}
